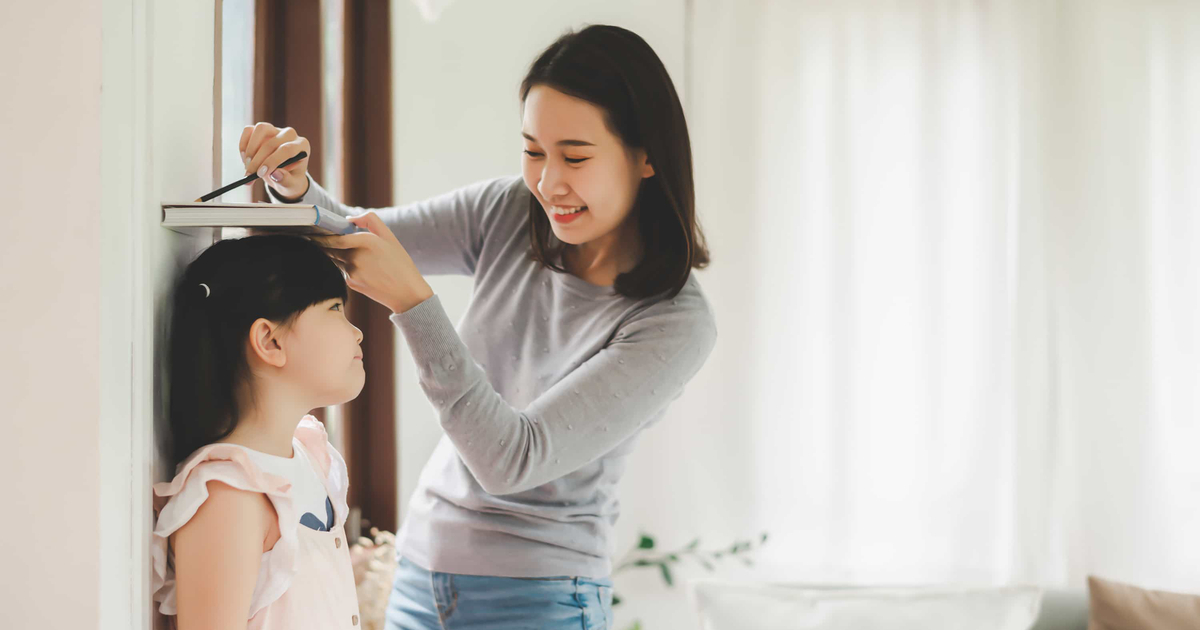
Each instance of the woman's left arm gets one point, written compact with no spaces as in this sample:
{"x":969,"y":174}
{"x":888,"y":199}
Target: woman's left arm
{"x":592,"y":410}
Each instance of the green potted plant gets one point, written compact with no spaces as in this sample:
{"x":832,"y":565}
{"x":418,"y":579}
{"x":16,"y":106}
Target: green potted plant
{"x":645,"y":555}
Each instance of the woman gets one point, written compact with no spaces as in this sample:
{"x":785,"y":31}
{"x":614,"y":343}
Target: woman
{"x":584,"y":325}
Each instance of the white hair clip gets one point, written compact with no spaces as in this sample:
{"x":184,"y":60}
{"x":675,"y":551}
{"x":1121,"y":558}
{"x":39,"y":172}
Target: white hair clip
{"x":207,"y":292}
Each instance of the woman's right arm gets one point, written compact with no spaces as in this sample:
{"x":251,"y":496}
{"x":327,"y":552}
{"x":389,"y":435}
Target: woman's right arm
{"x":443,"y":234}
{"x":217,"y":555}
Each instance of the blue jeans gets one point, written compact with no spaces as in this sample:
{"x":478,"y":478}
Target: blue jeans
{"x":422,"y":600}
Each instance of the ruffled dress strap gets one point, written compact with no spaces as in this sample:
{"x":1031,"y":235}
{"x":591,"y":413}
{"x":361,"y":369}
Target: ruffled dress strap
{"x":176,"y":502}
{"x":331,"y":466}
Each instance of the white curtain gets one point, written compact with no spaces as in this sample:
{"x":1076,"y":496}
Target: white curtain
{"x":1123,"y":242}
{"x":957,"y":275}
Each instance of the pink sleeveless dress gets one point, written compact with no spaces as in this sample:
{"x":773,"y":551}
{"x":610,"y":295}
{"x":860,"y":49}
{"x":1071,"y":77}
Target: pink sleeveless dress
{"x":306,"y":579}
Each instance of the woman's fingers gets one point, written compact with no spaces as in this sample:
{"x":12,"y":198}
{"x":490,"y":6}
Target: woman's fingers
{"x":264,"y":147}
{"x":374,"y":225}
{"x":285,"y":152}
{"x":255,"y":165}
{"x":290,"y":179}
{"x":244,"y":141}
{"x":343,"y":242}
{"x":259,"y":134}
{"x":268,"y":148}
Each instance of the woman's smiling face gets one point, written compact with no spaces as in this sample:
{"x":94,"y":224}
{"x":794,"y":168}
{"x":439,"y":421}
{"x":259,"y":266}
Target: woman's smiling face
{"x":582,"y":174}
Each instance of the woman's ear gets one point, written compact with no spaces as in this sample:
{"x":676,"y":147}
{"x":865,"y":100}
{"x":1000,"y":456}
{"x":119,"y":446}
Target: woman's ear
{"x":645,"y":167}
{"x":264,"y":342}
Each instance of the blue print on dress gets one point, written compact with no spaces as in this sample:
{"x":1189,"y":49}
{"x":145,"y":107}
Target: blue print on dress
{"x":311,"y":521}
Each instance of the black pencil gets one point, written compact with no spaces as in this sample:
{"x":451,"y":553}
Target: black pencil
{"x":249,"y":178}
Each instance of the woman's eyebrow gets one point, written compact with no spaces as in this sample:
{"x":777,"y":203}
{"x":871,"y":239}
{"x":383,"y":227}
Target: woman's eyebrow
{"x":562,"y":143}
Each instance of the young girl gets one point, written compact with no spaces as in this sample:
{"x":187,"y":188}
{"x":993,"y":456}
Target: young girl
{"x":249,"y":532}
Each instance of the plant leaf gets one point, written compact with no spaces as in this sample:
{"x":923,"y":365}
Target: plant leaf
{"x":646,"y":542}
{"x":666,"y":573}
{"x":692,"y":545}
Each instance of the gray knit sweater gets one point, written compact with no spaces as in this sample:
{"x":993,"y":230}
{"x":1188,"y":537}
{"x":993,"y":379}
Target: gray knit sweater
{"x":541,"y":389}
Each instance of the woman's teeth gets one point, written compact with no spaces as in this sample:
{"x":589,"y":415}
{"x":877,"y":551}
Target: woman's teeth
{"x":565,"y":210}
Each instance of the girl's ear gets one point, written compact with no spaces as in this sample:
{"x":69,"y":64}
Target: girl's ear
{"x":264,"y":342}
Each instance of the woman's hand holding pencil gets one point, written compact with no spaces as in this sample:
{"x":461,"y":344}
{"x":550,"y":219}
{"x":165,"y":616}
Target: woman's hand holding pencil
{"x":265,"y":147}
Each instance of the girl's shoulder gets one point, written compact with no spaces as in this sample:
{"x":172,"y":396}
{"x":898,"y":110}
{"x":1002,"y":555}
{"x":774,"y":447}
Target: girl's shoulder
{"x":177,"y":500}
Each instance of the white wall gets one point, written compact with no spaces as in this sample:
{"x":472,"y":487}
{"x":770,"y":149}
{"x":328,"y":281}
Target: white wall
{"x":49,"y":310}
{"x":173,"y":160}
{"x":108,"y":110}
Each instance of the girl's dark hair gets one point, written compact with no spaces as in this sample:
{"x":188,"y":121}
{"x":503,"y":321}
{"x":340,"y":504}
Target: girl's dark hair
{"x":275,"y":277}
{"x":617,"y":71}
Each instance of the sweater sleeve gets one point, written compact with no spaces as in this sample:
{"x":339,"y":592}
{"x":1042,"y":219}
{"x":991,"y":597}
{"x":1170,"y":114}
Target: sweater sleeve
{"x":445,"y":234}
{"x":593,"y":409}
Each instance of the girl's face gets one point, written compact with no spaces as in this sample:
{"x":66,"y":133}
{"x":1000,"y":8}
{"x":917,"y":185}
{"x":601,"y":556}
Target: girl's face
{"x":324,"y":359}
{"x":583,"y":175}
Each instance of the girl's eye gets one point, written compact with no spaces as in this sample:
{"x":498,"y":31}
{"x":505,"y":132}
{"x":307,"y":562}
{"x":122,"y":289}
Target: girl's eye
{"x":532,"y":154}
{"x":336,"y":306}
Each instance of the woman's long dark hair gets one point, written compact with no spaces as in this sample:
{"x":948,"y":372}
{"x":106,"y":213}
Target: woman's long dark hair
{"x":274,"y":277}
{"x":617,"y":71}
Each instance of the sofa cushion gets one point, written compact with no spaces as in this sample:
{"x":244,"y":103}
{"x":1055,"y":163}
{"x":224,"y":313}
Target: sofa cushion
{"x":1117,"y":606}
